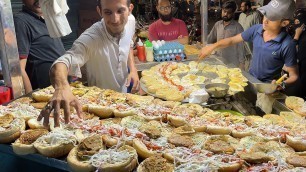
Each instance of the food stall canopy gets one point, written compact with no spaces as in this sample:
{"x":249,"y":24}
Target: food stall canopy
{"x":9,"y":51}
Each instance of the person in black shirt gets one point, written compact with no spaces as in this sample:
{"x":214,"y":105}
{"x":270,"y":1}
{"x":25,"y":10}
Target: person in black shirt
{"x":188,"y":8}
{"x":37,"y":50}
{"x":300,"y":39}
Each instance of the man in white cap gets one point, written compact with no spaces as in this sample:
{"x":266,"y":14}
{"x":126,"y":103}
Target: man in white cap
{"x":272,"y":46}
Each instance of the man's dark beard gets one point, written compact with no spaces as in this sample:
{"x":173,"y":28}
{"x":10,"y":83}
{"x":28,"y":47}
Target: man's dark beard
{"x":165,"y":18}
{"x":226,"y":19}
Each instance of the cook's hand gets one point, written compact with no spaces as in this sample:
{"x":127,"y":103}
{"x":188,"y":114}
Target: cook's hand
{"x":133,"y":76}
{"x":299,"y":30}
{"x":206,"y":51}
{"x":179,"y":37}
{"x":62,"y":98}
{"x":279,"y":87}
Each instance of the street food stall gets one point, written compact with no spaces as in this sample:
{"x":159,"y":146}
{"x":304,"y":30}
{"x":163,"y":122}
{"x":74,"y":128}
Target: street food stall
{"x":177,"y":122}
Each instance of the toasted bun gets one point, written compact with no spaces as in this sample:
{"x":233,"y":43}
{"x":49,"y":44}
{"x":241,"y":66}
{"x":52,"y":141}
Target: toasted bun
{"x":34,"y":124}
{"x":255,"y":157}
{"x":241,"y":134}
{"x":168,"y":104}
{"x":23,"y":149}
{"x":176,"y":121}
{"x":10,"y":138}
{"x":218,"y":130}
{"x":256,"y":121}
{"x":151,"y":118}
{"x":126,"y":166}
{"x":301,"y":153}
{"x":230,"y":167}
{"x":271,"y":138}
{"x":132,"y":122}
{"x":122,"y":114}
{"x":39,"y":105}
{"x":221,"y":144}
{"x":13,"y":133}
{"x":300,"y":110}
{"x":180,"y":140}
{"x":8,"y":132}
{"x":155,"y":163}
{"x":142,"y":150}
{"x":76,"y":165}
{"x":197,"y":108}
{"x":152,"y":129}
{"x":54,"y":151}
{"x":297,"y":161}
{"x":296,"y":144}
{"x":291,"y":117}
{"x":25,"y":100}
{"x":30,"y":136}
{"x":101,"y":111}
{"x":275,"y":119}
{"x":23,"y":145}
{"x":134,"y":99}
{"x":87,"y":148}
{"x":199,"y":128}
{"x":41,"y":97}
{"x":168,"y":156}
{"x":293,"y":102}
{"x":186,"y":129}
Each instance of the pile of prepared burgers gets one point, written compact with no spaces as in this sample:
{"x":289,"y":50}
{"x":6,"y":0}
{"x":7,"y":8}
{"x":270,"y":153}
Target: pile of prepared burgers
{"x":118,"y":131}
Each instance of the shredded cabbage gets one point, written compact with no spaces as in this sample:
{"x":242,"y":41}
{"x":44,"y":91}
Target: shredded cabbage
{"x":110,"y":156}
{"x":58,"y":136}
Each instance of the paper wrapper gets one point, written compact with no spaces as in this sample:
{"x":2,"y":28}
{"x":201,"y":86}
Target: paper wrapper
{"x":265,"y":102}
{"x":199,"y":96}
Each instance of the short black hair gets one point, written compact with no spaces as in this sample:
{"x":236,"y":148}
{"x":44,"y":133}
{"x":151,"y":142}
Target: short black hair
{"x":230,"y":5}
{"x":158,"y":1}
{"x":99,"y":3}
{"x":247,"y":3}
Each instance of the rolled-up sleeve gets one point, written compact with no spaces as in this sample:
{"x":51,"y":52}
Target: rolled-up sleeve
{"x":78,"y":55}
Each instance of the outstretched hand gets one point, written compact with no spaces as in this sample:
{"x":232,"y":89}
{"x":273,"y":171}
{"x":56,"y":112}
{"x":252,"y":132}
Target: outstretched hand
{"x":206,"y":51}
{"x":62,"y":98}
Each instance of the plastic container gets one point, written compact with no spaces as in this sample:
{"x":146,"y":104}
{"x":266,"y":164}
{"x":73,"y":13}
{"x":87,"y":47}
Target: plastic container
{"x":149,"y":51}
{"x":168,"y":51}
{"x":5,"y":94}
{"x":141,"y":51}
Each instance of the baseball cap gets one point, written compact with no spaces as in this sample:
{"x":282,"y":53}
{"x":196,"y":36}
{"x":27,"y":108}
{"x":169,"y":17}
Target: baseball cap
{"x":278,"y":9}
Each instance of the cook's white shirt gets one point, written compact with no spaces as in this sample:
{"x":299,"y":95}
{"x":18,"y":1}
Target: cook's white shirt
{"x":106,"y":60}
